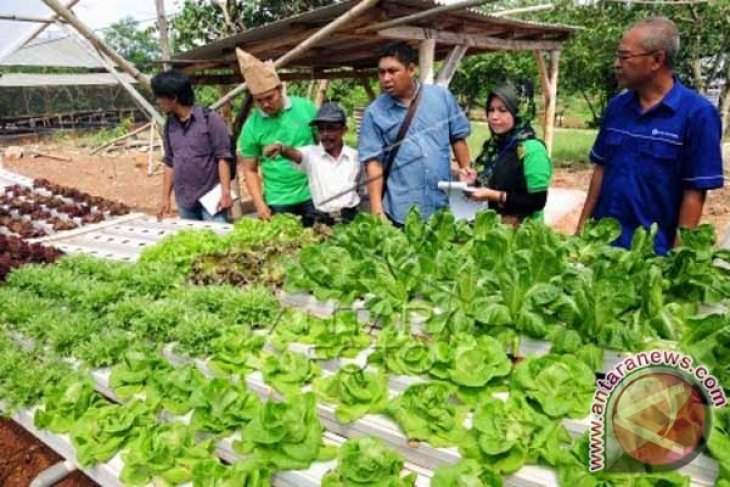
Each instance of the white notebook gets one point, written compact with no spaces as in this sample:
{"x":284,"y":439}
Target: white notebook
{"x":211,"y":199}
{"x":461,"y":206}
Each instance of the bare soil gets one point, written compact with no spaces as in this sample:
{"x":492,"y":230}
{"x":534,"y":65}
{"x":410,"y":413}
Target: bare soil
{"x":23,"y":457}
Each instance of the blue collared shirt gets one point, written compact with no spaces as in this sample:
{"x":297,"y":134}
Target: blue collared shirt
{"x":650,"y":158}
{"x":424,"y":157}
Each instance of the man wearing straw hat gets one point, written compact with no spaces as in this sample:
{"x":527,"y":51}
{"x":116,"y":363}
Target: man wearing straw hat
{"x":279,"y":118}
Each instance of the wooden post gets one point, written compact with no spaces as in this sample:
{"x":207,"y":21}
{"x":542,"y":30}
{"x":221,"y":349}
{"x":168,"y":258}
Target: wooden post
{"x":310,"y":41}
{"x":426,"y":55}
{"x":164,"y":34}
{"x":542,"y":74}
{"x":451,"y":65}
{"x":552,"y":100}
{"x":321,"y":92}
{"x":310,"y":89}
{"x":100,"y":45}
{"x":226,"y":110}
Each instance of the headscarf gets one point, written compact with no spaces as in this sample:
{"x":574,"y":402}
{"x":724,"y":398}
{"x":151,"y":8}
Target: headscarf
{"x":520,"y":102}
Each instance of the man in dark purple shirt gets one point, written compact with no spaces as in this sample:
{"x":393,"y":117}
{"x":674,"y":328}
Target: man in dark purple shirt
{"x":197,"y":151}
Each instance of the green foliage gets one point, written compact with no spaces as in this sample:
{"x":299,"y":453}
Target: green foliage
{"x":354,"y":391}
{"x":221,"y":407}
{"x":164,"y":454}
{"x":173,"y":390}
{"x":465,"y":473}
{"x":104,"y":430}
{"x":366,"y":461}
{"x":470,"y":362}
{"x":286,"y":435}
{"x":202,"y":22}
{"x":65,"y":403}
{"x":236,"y":353}
{"x":508,"y":434}
{"x":708,"y":343}
{"x":573,"y":472}
{"x":248,"y":473}
{"x":426,"y":412}
{"x":402,"y":353}
{"x":342,"y":335}
{"x":560,"y":385}
{"x":288,"y":371}
{"x":135,"y":44}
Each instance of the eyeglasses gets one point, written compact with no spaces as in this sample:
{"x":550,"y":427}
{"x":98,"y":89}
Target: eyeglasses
{"x":622,"y":56}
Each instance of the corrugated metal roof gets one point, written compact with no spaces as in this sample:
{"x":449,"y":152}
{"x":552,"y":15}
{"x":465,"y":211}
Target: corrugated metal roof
{"x":24,"y":80}
{"x":63,"y":52}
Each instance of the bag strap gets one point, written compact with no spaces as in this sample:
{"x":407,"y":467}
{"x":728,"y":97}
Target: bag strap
{"x":402,"y":131}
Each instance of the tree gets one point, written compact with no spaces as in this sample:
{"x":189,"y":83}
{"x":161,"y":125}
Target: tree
{"x":202,"y":22}
{"x":704,"y":57}
{"x":477,"y":75}
{"x":137,"y":45}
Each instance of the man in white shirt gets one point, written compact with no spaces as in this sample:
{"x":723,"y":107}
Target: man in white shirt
{"x":332,"y":167}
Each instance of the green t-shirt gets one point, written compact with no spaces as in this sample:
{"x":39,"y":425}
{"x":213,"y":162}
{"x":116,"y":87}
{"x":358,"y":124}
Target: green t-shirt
{"x":283,"y":184}
{"x":538,"y":169}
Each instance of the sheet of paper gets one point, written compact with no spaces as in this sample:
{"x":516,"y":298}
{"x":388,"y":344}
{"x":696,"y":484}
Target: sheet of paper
{"x":461,"y":206}
{"x":211,"y":199}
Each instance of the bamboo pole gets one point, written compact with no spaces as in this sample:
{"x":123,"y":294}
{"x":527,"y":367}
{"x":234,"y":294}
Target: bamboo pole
{"x":552,"y":102}
{"x":145,"y":105}
{"x":310,"y":41}
{"x":523,"y":10}
{"x":99,"y":44}
{"x":164,"y":34}
{"x":121,"y":138}
{"x":422,"y":15}
{"x":451,"y":65}
{"x":23,"y":18}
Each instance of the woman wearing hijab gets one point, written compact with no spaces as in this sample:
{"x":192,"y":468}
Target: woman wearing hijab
{"x":513,"y":170}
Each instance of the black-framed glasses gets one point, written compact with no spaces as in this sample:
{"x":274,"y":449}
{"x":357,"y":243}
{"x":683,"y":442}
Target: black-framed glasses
{"x":623,"y":56}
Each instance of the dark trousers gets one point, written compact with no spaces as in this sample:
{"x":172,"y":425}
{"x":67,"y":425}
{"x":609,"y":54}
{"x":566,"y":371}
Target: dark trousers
{"x":345,"y":215}
{"x":304,"y":210}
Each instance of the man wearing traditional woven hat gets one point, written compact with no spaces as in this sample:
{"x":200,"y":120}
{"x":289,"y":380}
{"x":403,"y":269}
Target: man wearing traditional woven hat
{"x":279,"y":118}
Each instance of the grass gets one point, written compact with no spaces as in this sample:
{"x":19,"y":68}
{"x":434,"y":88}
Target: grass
{"x":570,"y":146}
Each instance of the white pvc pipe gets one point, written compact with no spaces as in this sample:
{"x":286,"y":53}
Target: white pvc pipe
{"x":53,"y":474}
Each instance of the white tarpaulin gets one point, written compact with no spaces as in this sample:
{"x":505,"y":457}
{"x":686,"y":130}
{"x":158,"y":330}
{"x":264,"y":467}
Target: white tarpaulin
{"x":14,"y":34}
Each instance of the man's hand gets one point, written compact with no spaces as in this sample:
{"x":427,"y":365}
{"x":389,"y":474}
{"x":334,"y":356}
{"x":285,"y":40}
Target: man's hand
{"x":467,"y":175}
{"x":381,"y":214}
{"x":264,"y":212}
{"x":164,"y":209}
{"x":225,"y":202}
{"x":273,"y":150}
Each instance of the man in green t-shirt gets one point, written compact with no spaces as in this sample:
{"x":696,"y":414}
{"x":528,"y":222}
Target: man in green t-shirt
{"x":278,"y":118}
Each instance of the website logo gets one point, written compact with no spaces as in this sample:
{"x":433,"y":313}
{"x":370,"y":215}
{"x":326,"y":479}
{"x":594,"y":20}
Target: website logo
{"x":653,"y":411}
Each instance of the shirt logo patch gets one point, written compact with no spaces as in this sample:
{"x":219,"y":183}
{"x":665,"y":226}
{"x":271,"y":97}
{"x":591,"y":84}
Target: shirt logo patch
{"x":656,"y":132}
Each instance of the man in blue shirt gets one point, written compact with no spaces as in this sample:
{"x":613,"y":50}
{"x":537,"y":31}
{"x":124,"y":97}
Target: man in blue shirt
{"x":424,"y":156}
{"x":658,"y":150}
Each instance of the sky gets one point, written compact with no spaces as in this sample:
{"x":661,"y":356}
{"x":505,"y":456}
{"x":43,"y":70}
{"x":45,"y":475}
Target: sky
{"x":96,"y":14}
